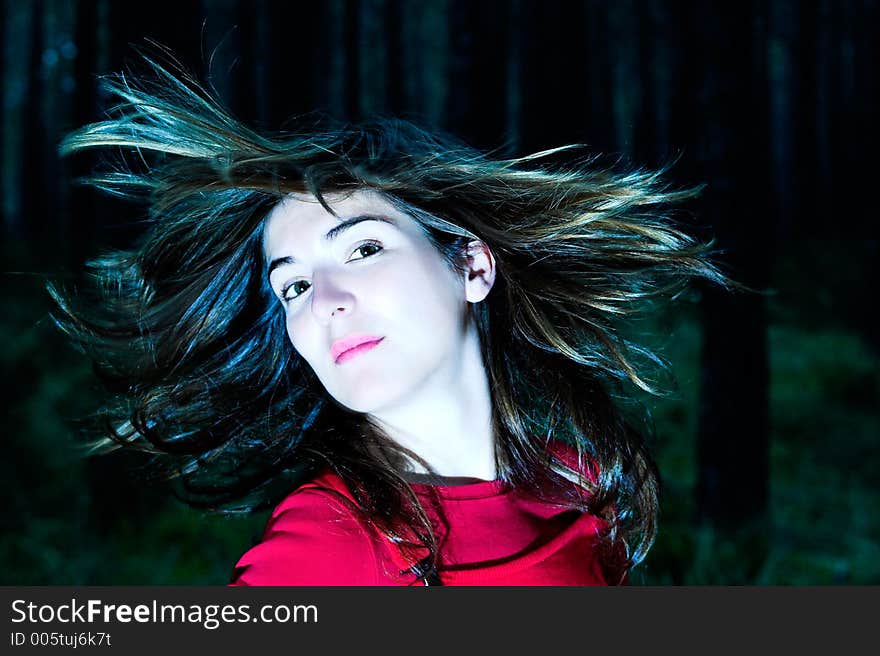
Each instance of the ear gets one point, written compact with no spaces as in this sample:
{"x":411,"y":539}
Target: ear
{"x":481,"y":271}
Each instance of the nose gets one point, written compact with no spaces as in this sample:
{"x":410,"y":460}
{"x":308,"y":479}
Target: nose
{"x":329,"y":298}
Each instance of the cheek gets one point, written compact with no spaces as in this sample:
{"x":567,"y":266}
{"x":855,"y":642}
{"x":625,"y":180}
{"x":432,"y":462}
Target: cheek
{"x":427,"y":303}
{"x":301,"y":337}
{"x":440,"y":294}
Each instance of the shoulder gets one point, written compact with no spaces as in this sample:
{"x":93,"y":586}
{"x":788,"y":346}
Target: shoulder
{"x":612,"y":554}
{"x":567,"y":455}
{"x":313,"y":537}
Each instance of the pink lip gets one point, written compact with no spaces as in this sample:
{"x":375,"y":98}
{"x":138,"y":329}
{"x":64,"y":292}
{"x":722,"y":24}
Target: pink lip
{"x":353,"y":345}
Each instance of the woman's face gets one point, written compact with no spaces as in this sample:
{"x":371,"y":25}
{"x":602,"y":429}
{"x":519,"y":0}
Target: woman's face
{"x":370,"y":304}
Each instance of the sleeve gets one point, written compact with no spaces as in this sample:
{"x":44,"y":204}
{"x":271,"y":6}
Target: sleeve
{"x":310,"y":539}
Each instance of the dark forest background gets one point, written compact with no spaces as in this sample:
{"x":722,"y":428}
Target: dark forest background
{"x":768,"y":444}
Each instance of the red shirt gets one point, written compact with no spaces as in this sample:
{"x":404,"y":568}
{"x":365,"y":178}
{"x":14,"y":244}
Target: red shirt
{"x":495,"y":536}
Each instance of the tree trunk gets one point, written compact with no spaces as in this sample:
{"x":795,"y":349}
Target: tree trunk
{"x":733,"y":441}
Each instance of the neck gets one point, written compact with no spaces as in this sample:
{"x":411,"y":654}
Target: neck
{"x":448,"y":421}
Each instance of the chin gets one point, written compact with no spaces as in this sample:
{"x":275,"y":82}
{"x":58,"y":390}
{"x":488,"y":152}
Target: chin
{"x":370,"y":396}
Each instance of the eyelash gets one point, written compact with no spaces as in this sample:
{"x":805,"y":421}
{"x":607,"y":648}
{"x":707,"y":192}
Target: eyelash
{"x":288,"y":286}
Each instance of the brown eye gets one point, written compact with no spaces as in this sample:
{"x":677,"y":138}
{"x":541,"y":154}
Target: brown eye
{"x":367,"y":249}
{"x":297,"y":287}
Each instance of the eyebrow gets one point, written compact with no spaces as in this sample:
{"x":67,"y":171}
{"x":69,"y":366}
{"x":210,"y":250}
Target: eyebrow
{"x":332,"y":234}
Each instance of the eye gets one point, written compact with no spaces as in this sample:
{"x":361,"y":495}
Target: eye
{"x":298,"y":287}
{"x":367,"y":249}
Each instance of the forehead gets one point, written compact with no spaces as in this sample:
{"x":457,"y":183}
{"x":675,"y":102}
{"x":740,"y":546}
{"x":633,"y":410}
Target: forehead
{"x":301,"y":217}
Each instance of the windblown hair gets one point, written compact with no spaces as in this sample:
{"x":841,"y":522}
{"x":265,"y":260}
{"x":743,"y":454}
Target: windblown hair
{"x":191,"y":342}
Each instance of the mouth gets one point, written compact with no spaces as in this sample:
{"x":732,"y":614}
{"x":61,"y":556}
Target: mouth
{"x":353,"y":346}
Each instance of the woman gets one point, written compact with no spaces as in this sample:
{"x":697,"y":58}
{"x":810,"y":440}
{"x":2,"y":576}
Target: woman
{"x":409,"y":343}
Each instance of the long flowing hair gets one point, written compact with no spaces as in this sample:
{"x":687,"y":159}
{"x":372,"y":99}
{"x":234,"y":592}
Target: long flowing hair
{"x":192,"y":345}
